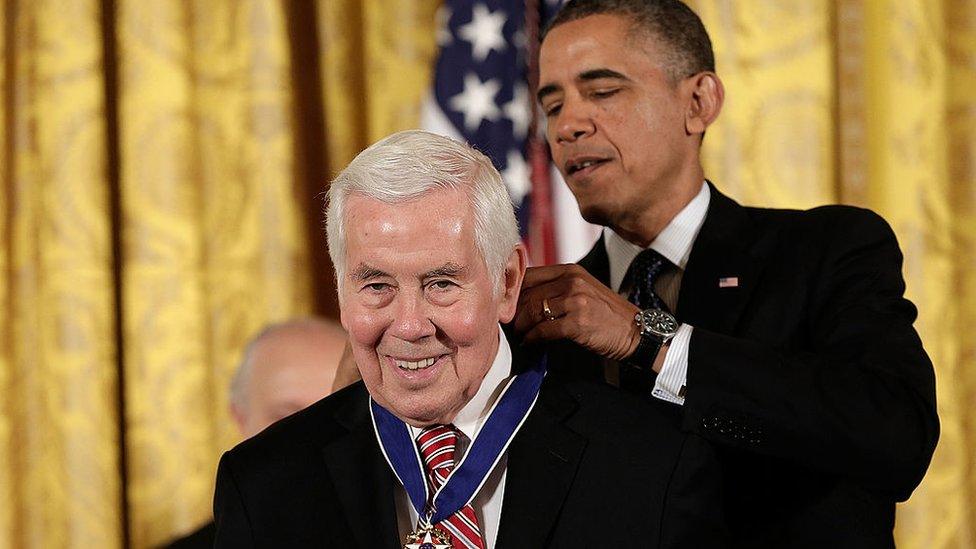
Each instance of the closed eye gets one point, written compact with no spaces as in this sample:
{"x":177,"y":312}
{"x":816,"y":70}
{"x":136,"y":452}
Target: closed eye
{"x":553,"y":109}
{"x":599,"y":94}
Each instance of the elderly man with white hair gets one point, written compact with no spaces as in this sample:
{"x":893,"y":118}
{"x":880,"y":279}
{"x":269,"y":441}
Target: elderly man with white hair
{"x":454,"y":437}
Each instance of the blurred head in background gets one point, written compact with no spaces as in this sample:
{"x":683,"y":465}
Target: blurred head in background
{"x":285,"y":368}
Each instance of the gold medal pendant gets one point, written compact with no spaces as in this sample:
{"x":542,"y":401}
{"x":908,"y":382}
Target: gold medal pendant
{"x":428,"y":537}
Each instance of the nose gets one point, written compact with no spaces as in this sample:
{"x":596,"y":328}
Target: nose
{"x":573,"y":122}
{"x":411,"y":320}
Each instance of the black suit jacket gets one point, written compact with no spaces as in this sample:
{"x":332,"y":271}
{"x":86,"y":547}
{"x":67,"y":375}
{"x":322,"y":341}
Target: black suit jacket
{"x":807,"y":375}
{"x":590,"y":467}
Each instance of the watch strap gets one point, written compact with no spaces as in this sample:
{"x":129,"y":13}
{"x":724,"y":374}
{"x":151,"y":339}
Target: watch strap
{"x":646,"y":352}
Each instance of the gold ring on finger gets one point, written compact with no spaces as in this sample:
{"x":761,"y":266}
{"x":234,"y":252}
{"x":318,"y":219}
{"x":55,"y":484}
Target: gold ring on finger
{"x":546,"y":311}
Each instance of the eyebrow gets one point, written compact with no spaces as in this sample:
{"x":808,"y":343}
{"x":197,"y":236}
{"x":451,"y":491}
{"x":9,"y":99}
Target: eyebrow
{"x":366,"y":272}
{"x":448,"y":269}
{"x":585,"y":76}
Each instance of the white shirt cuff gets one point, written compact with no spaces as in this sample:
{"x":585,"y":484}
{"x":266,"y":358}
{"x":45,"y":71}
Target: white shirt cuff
{"x":670,"y":383}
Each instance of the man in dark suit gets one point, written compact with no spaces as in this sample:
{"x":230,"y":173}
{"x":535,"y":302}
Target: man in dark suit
{"x":781,"y":336}
{"x":451,"y":438}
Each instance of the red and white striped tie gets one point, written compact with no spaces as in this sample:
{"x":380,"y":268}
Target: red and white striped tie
{"x":437,"y":445}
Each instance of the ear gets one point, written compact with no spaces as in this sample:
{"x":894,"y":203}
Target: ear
{"x":512,"y":283}
{"x":707,"y":94}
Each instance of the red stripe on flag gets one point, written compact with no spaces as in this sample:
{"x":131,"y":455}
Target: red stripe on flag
{"x":541,"y":232}
{"x":542,"y":229}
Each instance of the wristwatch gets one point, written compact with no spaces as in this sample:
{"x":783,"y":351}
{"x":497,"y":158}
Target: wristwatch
{"x":657,"y":327}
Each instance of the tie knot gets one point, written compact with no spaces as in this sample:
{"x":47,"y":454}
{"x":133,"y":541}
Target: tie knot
{"x":642,"y":274}
{"x":649,"y":262}
{"x":436,"y":444}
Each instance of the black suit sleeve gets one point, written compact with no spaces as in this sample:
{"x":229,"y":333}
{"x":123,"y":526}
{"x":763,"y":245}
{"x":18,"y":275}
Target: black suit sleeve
{"x":858,"y":400}
{"x":230,"y":514}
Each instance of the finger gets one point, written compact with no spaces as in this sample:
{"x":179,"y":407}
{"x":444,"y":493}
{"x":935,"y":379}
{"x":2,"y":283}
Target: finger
{"x":528,"y":314}
{"x":531,"y":298}
{"x":535,"y":276}
{"x":530,"y":309}
{"x":551,"y":330}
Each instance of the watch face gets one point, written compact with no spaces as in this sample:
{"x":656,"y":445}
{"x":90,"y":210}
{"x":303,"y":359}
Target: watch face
{"x":659,"y":323}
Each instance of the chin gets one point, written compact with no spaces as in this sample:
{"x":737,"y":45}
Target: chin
{"x":595,"y":214}
{"x":420,"y":412}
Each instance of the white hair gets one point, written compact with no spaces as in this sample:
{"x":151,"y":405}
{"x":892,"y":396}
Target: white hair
{"x":409,"y":164}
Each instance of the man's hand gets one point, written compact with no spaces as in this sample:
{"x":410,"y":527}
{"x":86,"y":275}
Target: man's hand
{"x":347,"y":373}
{"x":583,"y":310}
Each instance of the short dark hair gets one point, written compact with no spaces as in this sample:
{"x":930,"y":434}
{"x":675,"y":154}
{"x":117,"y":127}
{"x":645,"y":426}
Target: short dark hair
{"x":672,"y":22}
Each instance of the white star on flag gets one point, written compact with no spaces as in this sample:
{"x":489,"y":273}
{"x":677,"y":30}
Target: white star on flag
{"x":484,"y":32}
{"x":516,"y":176}
{"x":517,"y":110}
{"x":477,"y":101}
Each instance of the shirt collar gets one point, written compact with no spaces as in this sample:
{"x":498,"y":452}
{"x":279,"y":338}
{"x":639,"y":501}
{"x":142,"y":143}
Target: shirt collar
{"x":474,"y":413}
{"x":674,"y":242}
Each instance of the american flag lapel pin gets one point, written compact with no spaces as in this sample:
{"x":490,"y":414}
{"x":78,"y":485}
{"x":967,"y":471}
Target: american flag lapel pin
{"x":728,"y":282}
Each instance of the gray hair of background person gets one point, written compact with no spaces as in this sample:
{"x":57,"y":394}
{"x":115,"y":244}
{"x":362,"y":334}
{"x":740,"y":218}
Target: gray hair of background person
{"x":671,"y":22}
{"x":407,"y":165}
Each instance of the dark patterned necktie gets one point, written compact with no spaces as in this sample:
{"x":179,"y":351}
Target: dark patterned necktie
{"x":437,"y":444}
{"x":643,"y":273}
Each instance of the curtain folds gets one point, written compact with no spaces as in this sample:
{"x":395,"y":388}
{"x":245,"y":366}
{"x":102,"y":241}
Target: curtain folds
{"x":213,"y":237}
{"x":59,"y":419}
{"x":161,"y":166}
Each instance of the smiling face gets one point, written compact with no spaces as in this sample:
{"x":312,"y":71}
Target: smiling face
{"x":618,"y":126}
{"x":419,"y":303}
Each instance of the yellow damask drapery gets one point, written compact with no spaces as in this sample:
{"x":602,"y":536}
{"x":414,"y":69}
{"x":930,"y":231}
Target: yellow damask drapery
{"x":161,"y":163}
{"x":161,"y":160}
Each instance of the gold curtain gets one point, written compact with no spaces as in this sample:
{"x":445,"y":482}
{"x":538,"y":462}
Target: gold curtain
{"x":59,"y":464}
{"x":161,"y":163}
{"x":161,"y":160}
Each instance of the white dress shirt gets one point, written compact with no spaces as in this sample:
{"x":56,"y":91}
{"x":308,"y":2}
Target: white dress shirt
{"x":674,"y":243}
{"x":487,"y":503}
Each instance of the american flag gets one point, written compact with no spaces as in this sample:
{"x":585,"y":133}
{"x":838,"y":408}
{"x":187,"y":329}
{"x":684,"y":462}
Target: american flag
{"x":481,"y":94}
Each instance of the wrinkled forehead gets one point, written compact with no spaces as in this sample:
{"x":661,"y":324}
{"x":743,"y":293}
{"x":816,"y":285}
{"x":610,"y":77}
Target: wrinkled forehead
{"x":436,"y":226}
{"x":431,"y":212}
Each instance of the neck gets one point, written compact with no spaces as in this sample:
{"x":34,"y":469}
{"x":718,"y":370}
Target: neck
{"x":644,"y":226}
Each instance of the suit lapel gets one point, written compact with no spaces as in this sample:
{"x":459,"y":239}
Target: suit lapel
{"x":597,"y":263}
{"x":724,"y":267}
{"x":542,"y":463}
{"x":362,"y":479}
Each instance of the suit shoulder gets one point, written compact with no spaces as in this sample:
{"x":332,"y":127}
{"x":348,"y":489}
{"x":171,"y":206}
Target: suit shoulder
{"x":820,"y":215}
{"x":824,"y":223}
